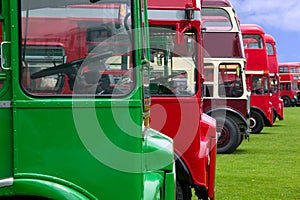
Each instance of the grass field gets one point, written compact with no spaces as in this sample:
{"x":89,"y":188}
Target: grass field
{"x":265,"y":168}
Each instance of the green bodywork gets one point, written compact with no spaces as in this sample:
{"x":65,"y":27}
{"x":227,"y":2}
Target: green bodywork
{"x":77,"y":148}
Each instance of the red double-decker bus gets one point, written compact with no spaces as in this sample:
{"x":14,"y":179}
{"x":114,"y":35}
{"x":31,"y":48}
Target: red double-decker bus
{"x":257,"y":73}
{"x":225,"y":93}
{"x":289,"y":67}
{"x":176,"y":94}
{"x":289,"y":73}
{"x":274,"y":77}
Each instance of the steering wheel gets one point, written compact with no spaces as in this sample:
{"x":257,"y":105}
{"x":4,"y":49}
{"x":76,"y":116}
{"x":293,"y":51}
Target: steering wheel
{"x":164,"y":79}
{"x":164,"y":86}
{"x":70,"y":68}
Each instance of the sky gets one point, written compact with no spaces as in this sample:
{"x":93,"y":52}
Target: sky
{"x":280,"y":18}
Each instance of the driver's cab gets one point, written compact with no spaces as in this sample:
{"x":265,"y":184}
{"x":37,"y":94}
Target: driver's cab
{"x":224,"y":81}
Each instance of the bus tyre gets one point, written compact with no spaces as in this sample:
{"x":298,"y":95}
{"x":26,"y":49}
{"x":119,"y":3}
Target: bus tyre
{"x":183,"y":191}
{"x":256,"y":122}
{"x":229,"y":135}
{"x":286,"y":101}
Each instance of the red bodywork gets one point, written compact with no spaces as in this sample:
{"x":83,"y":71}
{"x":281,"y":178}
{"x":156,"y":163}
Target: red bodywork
{"x":257,"y":64}
{"x":274,"y":76}
{"x":181,"y":117}
{"x":272,"y":54}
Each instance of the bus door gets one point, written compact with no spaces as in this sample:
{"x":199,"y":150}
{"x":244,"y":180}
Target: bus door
{"x":5,"y":99}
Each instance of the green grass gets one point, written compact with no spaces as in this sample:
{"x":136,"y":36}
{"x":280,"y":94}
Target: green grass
{"x":265,"y":168}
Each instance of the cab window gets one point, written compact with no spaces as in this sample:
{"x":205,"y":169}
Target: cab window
{"x":66,"y":52}
{"x":173,"y":65}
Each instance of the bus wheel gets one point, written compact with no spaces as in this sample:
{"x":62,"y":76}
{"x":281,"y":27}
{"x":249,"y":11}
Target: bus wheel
{"x":228,"y":135}
{"x":256,"y":122}
{"x":183,"y":191}
{"x":286,"y":101}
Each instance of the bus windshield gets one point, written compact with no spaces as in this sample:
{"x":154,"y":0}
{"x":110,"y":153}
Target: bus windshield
{"x":173,"y":67}
{"x":253,"y":41}
{"x":260,"y":85}
{"x":80,"y":47}
{"x":216,"y":19}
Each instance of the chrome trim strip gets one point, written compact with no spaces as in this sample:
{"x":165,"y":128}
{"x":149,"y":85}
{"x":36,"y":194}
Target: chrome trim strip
{"x":5,"y":104}
{"x":170,"y":14}
{"x":6,"y":182}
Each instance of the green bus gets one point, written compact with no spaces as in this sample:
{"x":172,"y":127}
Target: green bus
{"x":74,"y":103}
